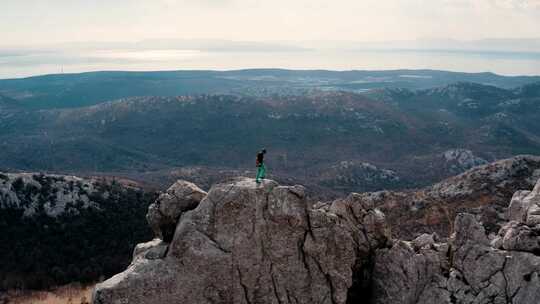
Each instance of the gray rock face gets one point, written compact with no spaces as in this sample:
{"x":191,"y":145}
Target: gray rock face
{"x":525,"y":207}
{"x":522,"y":233}
{"x":403,"y":274}
{"x":249,"y":243}
{"x":163,"y":214}
{"x":519,"y":237}
{"x":470,"y":269}
{"x":155,"y":249}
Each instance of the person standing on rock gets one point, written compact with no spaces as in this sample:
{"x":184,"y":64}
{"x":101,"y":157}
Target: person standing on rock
{"x":261,"y":168}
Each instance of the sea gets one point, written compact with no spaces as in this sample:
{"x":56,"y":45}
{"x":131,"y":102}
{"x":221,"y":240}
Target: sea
{"x":15,"y":64}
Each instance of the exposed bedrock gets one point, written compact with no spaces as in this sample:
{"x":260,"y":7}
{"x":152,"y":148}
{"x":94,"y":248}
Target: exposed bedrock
{"x":164,"y":213}
{"x":470,"y":269}
{"x":484,"y":191}
{"x":249,"y":243}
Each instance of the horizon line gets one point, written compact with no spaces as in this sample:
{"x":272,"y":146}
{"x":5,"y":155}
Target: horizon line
{"x":264,"y":69}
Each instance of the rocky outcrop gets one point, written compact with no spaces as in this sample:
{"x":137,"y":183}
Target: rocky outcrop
{"x":51,"y":194}
{"x":459,"y":160}
{"x":522,"y":233}
{"x":249,"y":243}
{"x":155,"y":249}
{"x":471,"y":268}
{"x":357,"y":176}
{"x":164,"y":213}
{"x":484,"y":191}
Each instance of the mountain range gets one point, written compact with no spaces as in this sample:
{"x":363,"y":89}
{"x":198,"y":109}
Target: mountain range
{"x":84,"y":89}
{"x":400,"y":140}
{"x":333,"y":141}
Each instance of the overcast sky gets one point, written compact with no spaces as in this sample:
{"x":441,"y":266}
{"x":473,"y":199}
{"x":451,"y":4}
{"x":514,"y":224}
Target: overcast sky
{"x":35,"y":22}
{"x":52,"y":36}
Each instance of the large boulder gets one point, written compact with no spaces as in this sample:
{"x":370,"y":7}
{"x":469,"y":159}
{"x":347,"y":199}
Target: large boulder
{"x":164,"y":213}
{"x":522,"y":233}
{"x":255,"y":243}
{"x":525,"y":207}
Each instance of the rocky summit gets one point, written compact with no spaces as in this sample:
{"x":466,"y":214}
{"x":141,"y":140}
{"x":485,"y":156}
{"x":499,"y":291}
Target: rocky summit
{"x":249,"y":243}
{"x":266,"y":243}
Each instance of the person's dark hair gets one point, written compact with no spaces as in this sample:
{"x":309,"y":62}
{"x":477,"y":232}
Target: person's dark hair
{"x":263,"y":151}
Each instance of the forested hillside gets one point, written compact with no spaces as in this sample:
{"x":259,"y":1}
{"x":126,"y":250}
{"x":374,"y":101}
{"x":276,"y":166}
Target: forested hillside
{"x":333,"y":141}
{"x":61,"y":229}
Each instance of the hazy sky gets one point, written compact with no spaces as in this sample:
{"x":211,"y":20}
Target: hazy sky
{"x":31,"y":22}
{"x":53,"y":36}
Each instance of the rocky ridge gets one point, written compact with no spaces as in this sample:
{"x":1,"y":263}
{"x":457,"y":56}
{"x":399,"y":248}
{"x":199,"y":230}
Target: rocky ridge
{"x":460,"y":160}
{"x":471,"y":267}
{"x":347,"y":175}
{"x":408,"y":135}
{"x":245,"y":243}
{"x":57,"y":229}
{"x":484,"y":191}
{"x":54,"y":194}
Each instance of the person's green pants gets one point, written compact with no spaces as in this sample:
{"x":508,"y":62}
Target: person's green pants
{"x":261,"y":173}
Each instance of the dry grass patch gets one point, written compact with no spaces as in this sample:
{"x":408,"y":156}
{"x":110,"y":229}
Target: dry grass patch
{"x":69,"y":294}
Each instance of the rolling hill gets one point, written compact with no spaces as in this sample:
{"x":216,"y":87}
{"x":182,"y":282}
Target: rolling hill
{"x":412,"y":133}
{"x":85,"y":89}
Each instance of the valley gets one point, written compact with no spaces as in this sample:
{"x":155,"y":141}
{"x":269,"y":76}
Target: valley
{"x":335,"y":141}
{"x":80,"y":166}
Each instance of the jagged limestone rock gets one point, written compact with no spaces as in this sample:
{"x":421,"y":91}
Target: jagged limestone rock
{"x":522,"y":233}
{"x":155,"y":249}
{"x":249,"y":243}
{"x":164,"y":212}
{"x":519,"y":205}
{"x":525,"y":207}
{"x":405,"y":273}
{"x":497,"y":276}
{"x":518,"y":236}
{"x":475,"y":270}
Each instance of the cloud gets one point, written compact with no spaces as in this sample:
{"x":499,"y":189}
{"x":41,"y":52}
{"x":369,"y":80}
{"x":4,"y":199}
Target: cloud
{"x":39,"y":21}
{"x":517,"y":4}
{"x":188,"y":3}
